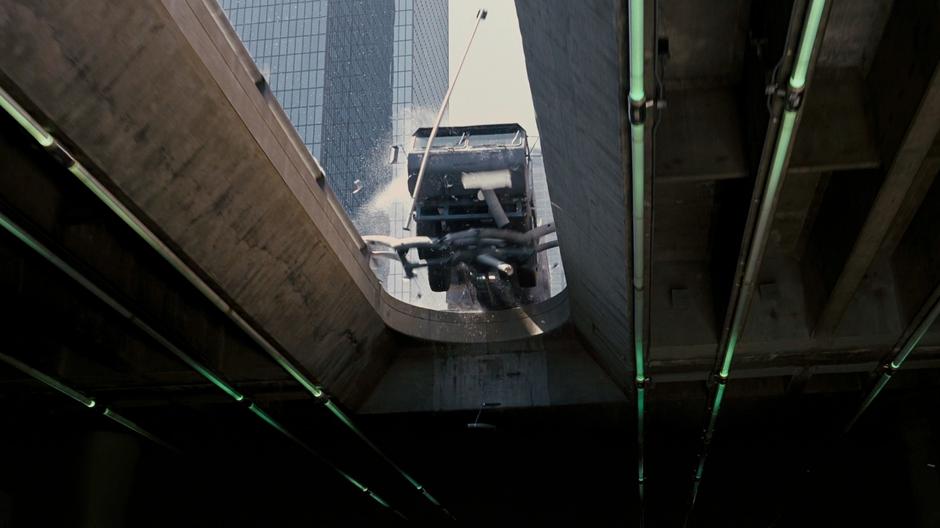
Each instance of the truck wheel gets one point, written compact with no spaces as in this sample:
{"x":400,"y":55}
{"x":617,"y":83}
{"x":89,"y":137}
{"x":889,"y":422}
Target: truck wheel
{"x":428,"y":229}
{"x":439,"y":278}
{"x":527,"y":277}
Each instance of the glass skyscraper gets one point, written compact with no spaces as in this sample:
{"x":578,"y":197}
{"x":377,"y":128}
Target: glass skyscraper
{"x":357,"y":100}
{"x":287,"y":40}
{"x":355,"y":77}
{"x":419,"y":82}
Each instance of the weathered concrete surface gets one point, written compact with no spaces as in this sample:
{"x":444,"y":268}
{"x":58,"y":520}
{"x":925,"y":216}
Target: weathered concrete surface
{"x":548,"y":370}
{"x":572,"y":52}
{"x":905,"y":85}
{"x":123,"y":83}
{"x":159,"y":99}
{"x":171,"y":117}
{"x":93,"y":345}
{"x":703,"y":162}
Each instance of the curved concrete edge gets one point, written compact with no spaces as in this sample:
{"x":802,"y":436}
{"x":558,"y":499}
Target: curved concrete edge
{"x":324,"y":208}
{"x":475,"y":327}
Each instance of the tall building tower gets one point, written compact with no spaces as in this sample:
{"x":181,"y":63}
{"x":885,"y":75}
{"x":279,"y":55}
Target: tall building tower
{"x":329,"y":64}
{"x":357,"y":102}
{"x":420,"y":76}
{"x":287,"y":40}
{"x":355,"y":77}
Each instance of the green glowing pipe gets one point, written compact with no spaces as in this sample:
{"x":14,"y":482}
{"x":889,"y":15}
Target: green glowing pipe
{"x":875,"y":391}
{"x":810,"y":31}
{"x":116,"y":305}
{"x":53,"y":259}
{"x":640,"y":433}
{"x":784,"y":139}
{"x":716,"y":408}
{"x":268,"y":419}
{"x":116,"y":206}
{"x":909,"y":345}
{"x":34,"y":244}
{"x":125,"y":214}
{"x":695,"y":487}
{"x":25,"y":120}
{"x":637,"y":104}
{"x":916,"y":337}
{"x":639,"y":269}
{"x":137,"y":429}
{"x":38,"y":247}
{"x":87,"y":401}
{"x":79,"y":171}
{"x":637,"y":46}
{"x":333,"y":408}
{"x":204,"y":371}
{"x":48,"y":380}
{"x":761,"y":233}
{"x":638,"y":180}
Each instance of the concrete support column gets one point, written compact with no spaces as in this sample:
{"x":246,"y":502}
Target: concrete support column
{"x":106,"y":474}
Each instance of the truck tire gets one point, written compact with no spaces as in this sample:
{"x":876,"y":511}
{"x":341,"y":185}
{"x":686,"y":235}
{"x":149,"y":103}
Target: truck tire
{"x":428,"y":229}
{"x":527,"y":277}
{"x":439,"y":278}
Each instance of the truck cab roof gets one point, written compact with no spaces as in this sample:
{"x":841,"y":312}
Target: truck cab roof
{"x":501,"y":136}
{"x":502,"y":128}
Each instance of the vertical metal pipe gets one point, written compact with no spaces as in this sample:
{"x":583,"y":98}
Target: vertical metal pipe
{"x":638,"y":190}
{"x":810,"y":32}
{"x":796,"y":84}
{"x":636,"y":37}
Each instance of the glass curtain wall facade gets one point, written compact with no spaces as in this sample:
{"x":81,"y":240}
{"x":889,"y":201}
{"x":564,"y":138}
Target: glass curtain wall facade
{"x":287,"y":40}
{"x":355,"y":77}
{"x":357,"y":127}
{"x":420,"y":75}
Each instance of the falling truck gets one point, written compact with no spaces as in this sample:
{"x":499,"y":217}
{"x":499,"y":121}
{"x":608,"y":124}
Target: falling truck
{"x":474,"y":213}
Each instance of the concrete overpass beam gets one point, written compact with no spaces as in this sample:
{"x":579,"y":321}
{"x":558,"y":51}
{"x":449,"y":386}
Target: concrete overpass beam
{"x":905,"y":85}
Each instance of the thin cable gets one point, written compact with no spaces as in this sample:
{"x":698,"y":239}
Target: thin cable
{"x":481,"y":15}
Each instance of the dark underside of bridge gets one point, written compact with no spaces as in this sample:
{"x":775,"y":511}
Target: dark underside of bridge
{"x":851,"y":268}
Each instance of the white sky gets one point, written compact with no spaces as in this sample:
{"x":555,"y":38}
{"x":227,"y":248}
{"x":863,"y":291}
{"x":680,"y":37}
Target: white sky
{"x":493,"y":86}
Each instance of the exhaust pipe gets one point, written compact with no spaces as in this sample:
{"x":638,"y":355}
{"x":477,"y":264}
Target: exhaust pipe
{"x":496,"y":208}
{"x":493,"y":262}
